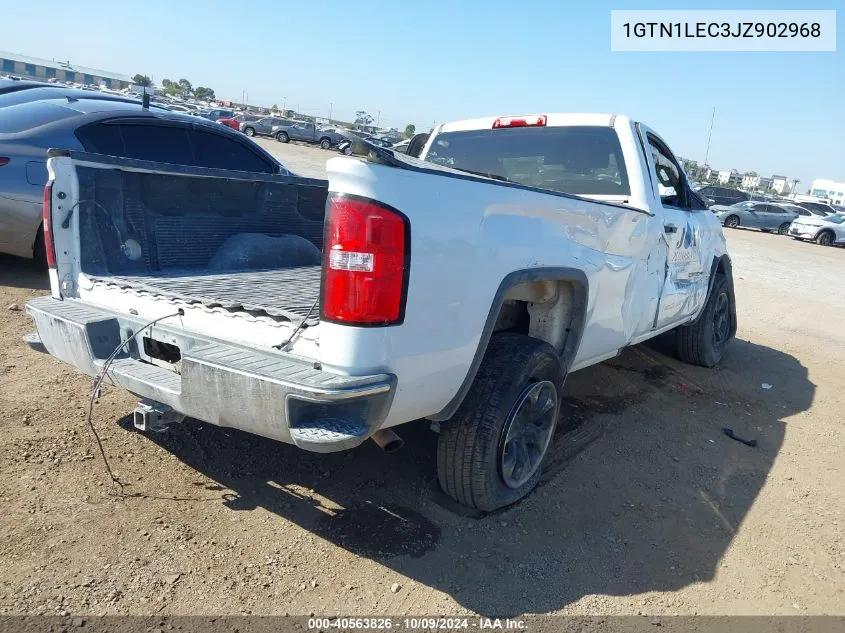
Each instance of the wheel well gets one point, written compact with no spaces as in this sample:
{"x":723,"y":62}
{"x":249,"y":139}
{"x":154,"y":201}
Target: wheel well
{"x":325,"y":138}
{"x":540,"y":309}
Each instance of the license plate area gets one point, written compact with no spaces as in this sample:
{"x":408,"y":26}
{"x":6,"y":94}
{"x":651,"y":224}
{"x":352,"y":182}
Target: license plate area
{"x":165,"y":354}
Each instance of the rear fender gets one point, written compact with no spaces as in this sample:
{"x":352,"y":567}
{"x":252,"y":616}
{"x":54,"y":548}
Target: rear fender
{"x":578,"y":280}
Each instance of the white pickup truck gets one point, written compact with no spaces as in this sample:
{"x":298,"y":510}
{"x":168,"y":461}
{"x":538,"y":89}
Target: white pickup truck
{"x":461,"y":287}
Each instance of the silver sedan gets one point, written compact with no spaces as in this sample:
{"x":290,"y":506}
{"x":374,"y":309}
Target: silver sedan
{"x":756,"y":215}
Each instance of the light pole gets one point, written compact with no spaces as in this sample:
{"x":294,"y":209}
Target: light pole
{"x":331,"y":104}
{"x":378,"y":119}
{"x":709,"y":134}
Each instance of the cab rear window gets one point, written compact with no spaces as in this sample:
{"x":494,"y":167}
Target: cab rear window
{"x":581,"y":160}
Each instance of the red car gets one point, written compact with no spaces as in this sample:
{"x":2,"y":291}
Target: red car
{"x":235,"y":121}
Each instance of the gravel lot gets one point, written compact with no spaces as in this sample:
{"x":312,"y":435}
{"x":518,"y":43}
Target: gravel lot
{"x":646,"y":506}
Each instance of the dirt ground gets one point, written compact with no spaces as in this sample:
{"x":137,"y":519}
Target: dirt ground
{"x":645,"y":507}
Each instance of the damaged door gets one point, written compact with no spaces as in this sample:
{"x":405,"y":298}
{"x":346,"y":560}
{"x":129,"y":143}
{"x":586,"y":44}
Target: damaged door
{"x":684,"y":233}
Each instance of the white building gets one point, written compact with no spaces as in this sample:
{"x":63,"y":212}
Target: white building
{"x":731,"y":176}
{"x":779,"y":183}
{"x":750,"y":181}
{"x":831,"y":189}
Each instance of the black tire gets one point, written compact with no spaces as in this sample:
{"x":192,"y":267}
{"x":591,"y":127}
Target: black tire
{"x":825,"y":238}
{"x":732,"y":221}
{"x":39,"y":250}
{"x":282,"y":137}
{"x":325,"y":143}
{"x":347,"y":151}
{"x":703,"y":342}
{"x":783,"y":229}
{"x":471,"y":448}
{"x":249,"y":131}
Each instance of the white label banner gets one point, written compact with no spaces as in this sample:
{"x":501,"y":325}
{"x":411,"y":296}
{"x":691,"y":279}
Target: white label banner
{"x":723,"y":30}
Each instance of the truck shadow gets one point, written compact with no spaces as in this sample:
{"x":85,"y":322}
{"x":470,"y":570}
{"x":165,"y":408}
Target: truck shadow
{"x":16,"y":272}
{"x":643,"y":490}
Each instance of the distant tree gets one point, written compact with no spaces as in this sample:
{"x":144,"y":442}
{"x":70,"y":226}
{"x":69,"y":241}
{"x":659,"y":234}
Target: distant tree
{"x":186,"y":87}
{"x":275,"y":107}
{"x":171,"y":87}
{"x":142,"y":80}
{"x":410,"y":129}
{"x":362,"y":118}
{"x":204,"y":94}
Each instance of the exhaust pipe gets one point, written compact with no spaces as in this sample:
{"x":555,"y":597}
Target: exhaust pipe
{"x":388,"y":441}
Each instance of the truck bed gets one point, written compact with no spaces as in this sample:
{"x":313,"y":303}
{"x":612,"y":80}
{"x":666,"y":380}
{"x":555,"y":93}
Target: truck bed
{"x":234,"y":240}
{"x":290,"y":293}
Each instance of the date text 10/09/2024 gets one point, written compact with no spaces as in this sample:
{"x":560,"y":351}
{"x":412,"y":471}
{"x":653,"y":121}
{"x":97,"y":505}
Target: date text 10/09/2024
{"x":721,"y":29}
{"x":428,"y":624}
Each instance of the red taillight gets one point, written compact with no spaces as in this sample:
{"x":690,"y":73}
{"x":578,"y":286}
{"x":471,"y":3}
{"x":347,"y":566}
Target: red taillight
{"x":49,"y":249}
{"x":365,"y":264}
{"x":4,"y":160}
{"x":538,"y":120}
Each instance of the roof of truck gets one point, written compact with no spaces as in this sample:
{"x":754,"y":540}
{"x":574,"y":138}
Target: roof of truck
{"x":552,"y":120}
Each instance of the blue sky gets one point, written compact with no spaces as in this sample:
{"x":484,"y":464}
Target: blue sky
{"x":442,"y":60}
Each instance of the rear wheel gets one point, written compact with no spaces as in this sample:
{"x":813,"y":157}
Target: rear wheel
{"x":325,"y":143}
{"x":489,"y":455}
{"x":703,"y":342}
{"x":825,"y":238}
{"x":783,"y":228}
{"x":282,"y":137}
{"x":249,"y":131}
{"x":732,"y":221}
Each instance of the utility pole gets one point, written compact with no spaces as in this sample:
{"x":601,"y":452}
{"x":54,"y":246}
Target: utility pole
{"x":284,"y":105}
{"x":709,"y":134}
{"x":330,"y":111}
{"x":243,"y":97}
{"x":378,"y":119}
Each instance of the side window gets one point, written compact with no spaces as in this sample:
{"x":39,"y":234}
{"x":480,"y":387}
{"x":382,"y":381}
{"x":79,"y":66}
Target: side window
{"x":100,"y":138}
{"x":220,"y":152}
{"x":164,"y":143}
{"x":774,"y":209}
{"x":669,"y":183}
{"x":757,"y":208}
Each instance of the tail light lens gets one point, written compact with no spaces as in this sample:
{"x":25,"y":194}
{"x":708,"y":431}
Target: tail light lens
{"x":4,"y":160}
{"x":49,"y":248}
{"x":366,"y":252}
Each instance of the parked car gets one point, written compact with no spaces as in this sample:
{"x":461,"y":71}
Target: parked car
{"x":756,"y":215}
{"x":234,"y":122}
{"x":550,"y":218}
{"x":217,"y":113}
{"x":820,"y":207}
{"x":10,"y":84}
{"x":58,"y":91}
{"x":724,"y":196}
{"x":116,"y":128}
{"x":261,"y":127}
{"x":402,"y":146}
{"x":381,"y":142}
{"x":823,"y":230}
{"x":306,"y":133}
